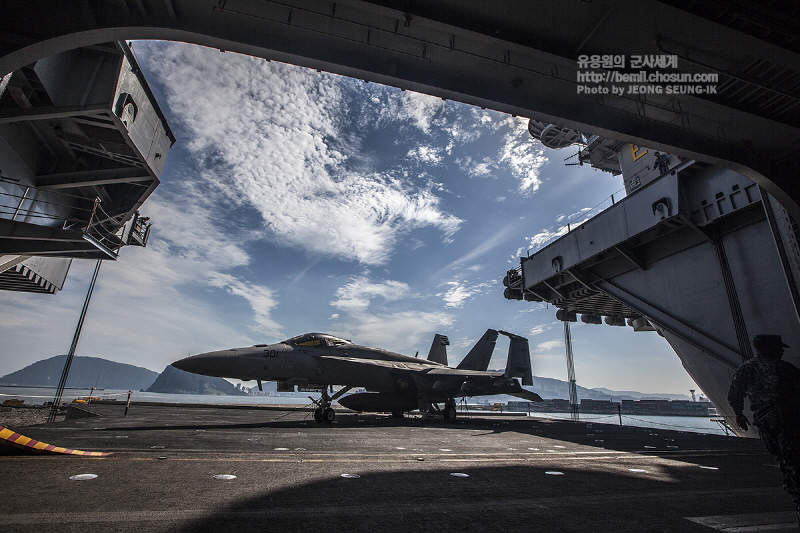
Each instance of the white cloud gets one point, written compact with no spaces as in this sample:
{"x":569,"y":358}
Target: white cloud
{"x":524,"y":156}
{"x":541,"y":328}
{"x":261,"y":299}
{"x":142,"y":312}
{"x":367,"y":319}
{"x":547,"y":235}
{"x":456,"y":295}
{"x":355,"y":297}
{"x":476,"y":169}
{"x":459,"y":293}
{"x":421,"y":109}
{"x":269,"y":136}
{"x":547,"y":347}
{"x":487,"y":244}
{"x":413,"y":244}
{"x":402,"y":331}
{"x":428,"y":155}
{"x":187,"y":247}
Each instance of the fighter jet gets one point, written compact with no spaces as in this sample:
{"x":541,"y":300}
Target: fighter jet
{"x":394,"y":382}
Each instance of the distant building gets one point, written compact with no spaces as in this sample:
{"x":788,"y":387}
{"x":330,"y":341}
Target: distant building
{"x":627,"y":407}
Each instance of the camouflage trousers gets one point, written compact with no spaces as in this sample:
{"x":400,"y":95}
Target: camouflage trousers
{"x":780,"y":431}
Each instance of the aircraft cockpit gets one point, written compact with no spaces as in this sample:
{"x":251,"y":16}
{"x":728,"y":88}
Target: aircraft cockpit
{"x":316,"y":339}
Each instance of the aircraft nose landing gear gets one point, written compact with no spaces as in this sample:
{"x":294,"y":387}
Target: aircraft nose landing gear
{"x":324,"y":412}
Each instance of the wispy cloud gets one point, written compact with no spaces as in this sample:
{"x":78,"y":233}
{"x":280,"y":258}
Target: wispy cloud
{"x":524,"y":156}
{"x":546,"y":235}
{"x":459,"y":293}
{"x":547,"y":347}
{"x":476,"y":169}
{"x":261,"y":299}
{"x":148,"y":308}
{"x":421,"y":109}
{"x":541,"y":328}
{"x":370,"y":314}
{"x":270,"y":137}
{"x":355,"y":297}
{"x":428,"y":155}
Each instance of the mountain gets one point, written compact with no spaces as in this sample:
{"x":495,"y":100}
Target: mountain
{"x":644,"y":396}
{"x":175,"y":381}
{"x":550,"y":388}
{"x":85,"y":372}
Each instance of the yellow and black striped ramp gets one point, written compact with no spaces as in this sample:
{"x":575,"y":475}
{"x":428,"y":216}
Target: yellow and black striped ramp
{"x":9,"y":436}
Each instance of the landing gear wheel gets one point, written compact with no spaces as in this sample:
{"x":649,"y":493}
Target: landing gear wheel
{"x":449,"y":412}
{"x":318,"y":414}
{"x":397,"y":414}
{"x":328,"y":415}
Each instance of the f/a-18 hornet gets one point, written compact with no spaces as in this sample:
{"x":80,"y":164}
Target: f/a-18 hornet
{"x":394,"y":382}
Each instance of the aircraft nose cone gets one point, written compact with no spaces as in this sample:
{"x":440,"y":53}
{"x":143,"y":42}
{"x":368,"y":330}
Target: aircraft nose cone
{"x":223,"y":363}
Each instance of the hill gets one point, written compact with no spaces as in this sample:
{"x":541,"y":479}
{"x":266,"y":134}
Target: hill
{"x":85,"y":372}
{"x":550,"y":388}
{"x":627,"y":395}
{"x":175,"y":381}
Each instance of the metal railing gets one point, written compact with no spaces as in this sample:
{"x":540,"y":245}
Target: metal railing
{"x":49,"y":207}
{"x":579,"y":218}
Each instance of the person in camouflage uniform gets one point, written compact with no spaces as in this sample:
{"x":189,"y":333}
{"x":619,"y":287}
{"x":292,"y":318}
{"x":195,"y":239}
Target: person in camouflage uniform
{"x":774,"y":390}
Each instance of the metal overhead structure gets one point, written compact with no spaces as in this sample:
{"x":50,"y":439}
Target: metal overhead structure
{"x":82,"y":146}
{"x":698,"y":253}
{"x":515,"y":56}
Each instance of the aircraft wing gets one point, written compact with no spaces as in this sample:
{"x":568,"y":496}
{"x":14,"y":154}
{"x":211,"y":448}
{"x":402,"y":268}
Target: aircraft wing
{"x":438,"y":372}
{"x":444,"y":380}
{"x":354,"y":363}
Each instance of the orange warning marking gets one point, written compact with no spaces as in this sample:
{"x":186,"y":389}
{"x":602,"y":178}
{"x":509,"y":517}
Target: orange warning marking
{"x":637,"y":152}
{"x":21,"y":441}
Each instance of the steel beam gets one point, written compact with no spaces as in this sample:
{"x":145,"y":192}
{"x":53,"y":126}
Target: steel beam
{"x":48,"y":113}
{"x":514,"y":56}
{"x":71,"y":180}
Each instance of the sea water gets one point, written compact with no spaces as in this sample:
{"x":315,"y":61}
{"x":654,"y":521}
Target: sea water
{"x":695,"y":424}
{"x":41,"y":395}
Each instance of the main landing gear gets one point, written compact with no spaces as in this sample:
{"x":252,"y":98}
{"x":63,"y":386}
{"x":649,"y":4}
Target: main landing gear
{"x":324,"y":412}
{"x":449,"y":411}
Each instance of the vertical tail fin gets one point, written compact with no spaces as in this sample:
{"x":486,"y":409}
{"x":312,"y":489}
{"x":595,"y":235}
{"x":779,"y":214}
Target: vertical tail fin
{"x":518,"y":364}
{"x":438,"y":353}
{"x":480,"y":354}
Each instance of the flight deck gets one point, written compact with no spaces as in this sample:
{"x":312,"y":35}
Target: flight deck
{"x":171,"y":470}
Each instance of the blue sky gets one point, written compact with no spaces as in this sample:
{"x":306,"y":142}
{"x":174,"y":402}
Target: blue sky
{"x":299,"y":201}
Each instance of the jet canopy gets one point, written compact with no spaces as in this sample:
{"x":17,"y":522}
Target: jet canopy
{"x":316,"y":339}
